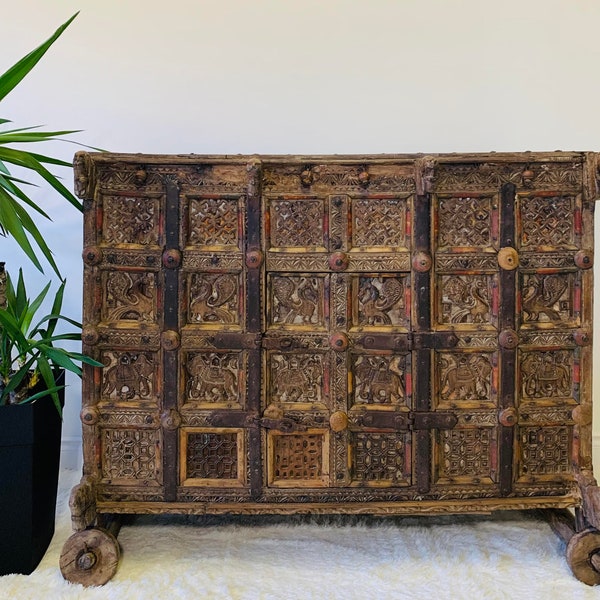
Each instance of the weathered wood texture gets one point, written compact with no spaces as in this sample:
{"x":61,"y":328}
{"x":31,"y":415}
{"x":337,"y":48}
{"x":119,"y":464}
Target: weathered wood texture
{"x":389,"y":334}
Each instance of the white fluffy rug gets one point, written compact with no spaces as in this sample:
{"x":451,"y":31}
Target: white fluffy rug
{"x":512,"y":555}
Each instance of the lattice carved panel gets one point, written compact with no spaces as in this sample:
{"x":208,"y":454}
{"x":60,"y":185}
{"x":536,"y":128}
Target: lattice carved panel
{"x":129,"y":376}
{"x":129,"y":296}
{"x":214,"y":222}
{"x":466,"y":455}
{"x":545,"y":452}
{"x":381,"y":379}
{"x":380,"y":458}
{"x":213,"y":457}
{"x":381,"y":301}
{"x":214,"y":299}
{"x":467,"y":222}
{"x":547,"y":222}
{"x":131,"y":220}
{"x":131,"y":456}
{"x":298,"y":459}
{"x":379,"y":222}
{"x":297,"y":223}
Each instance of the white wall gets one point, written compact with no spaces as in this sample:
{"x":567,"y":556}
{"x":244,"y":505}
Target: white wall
{"x":277,"y":76}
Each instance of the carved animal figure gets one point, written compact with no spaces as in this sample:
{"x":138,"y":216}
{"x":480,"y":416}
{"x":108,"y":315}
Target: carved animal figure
{"x":208,"y":297}
{"x":545,"y":376}
{"x":375,"y":303}
{"x":211,"y":379}
{"x":540,"y":295}
{"x":297,"y":378}
{"x":379,"y":381}
{"x":296,"y":302}
{"x":470,"y":302}
{"x":466,"y":378}
{"x":130,"y":296}
{"x":130,"y":377}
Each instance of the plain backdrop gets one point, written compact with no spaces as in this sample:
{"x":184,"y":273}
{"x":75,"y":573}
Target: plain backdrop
{"x":281,"y":76}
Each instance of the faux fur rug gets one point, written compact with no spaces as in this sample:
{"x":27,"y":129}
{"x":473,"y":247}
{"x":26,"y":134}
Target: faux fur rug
{"x":511,"y":555}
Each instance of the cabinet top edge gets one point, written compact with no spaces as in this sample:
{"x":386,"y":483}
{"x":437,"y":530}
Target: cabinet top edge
{"x":137,"y":158}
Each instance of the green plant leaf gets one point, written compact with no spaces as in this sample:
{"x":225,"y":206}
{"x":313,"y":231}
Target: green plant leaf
{"x":13,"y":226}
{"x":11,"y":78}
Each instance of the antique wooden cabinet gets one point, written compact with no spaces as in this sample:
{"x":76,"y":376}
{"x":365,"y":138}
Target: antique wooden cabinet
{"x":391,"y":334}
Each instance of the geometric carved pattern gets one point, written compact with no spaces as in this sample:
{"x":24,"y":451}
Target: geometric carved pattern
{"x":379,"y":222}
{"x":547,"y":221}
{"x":465,"y":222}
{"x":213,"y":298}
{"x":213,"y":222}
{"x":297,"y":300}
{"x":297,"y":457}
{"x":465,"y":453}
{"x":466,"y":298}
{"x":464,"y":376}
{"x":212,"y":455}
{"x":379,"y":457}
{"x":547,"y":374}
{"x":130,"y":220}
{"x":297,"y":377}
{"x":213,"y":377}
{"x":382,"y":301}
{"x":129,"y":296}
{"x":130,"y":454}
{"x":545,"y":450}
{"x":379,"y":379}
{"x":128,"y":375}
{"x":547,"y":297}
{"x":296,"y":223}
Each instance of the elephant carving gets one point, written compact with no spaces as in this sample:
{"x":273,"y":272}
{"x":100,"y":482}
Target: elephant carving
{"x":465,"y":378}
{"x":213,"y":378}
{"x":130,"y":377}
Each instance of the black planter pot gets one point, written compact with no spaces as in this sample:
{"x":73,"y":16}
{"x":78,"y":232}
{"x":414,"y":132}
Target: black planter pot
{"x":30,"y":437}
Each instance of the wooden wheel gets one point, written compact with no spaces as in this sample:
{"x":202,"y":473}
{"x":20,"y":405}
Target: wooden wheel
{"x":90,"y":557}
{"x":583,"y":556}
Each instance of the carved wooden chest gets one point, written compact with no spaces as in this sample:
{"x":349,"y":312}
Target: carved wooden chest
{"x":387,"y":334}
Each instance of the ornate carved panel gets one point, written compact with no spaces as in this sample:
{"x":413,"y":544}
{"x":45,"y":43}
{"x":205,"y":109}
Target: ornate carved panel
{"x":297,"y":300}
{"x":298,"y":459}
{"x":381,"y":300}
{"x":297,"y":223}
{"x":547,"y":222}
{"x":129,"y":296}
{"x":467,"y":222}
{"x":214,"y":222}
{"x":214,"y":378}
{"x":131,"y":219}
{"x":468,"y":299}
{"x":130,"y":376}
{"x":380,"y":379}
{"x":131,"y":456}
{"x":466,"y":379}
{"x":544,"y":453}
{"x":549,"y":298}
{"x":214,"y":299}
{"x":546,"y":374}
{"x":213,"y":457}
{"x":380,"y":458}
{"x":466,"y":455}
{"x":298,"y":377}
{"x":379,"y":222}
